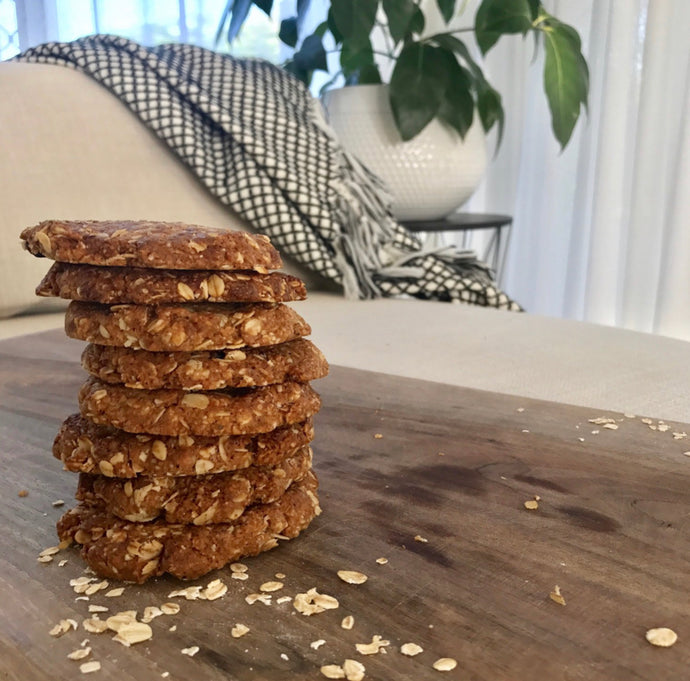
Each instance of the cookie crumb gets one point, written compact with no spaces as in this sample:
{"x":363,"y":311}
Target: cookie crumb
{"x":23,"y":493}
{"x":114,"y":593}
{"x":352,"y":576}
{"x":556,"y":596}
{"x":531,"y":504}
{"x":333,"y":671}
{"x":239,"y":630}
{"x":271,"y":586}
{"x":354,"y":670}
{"x":89,"y":667}
{"x":348,"y":622}
{"x":58,"y":502}
{"x":383,"y":561}
{"x":191,"y":651}
{"x":422,"y":540}
{"x":79,"y":654}
{"x":411,"y":649}
{"x":317,"y":644}
{"x":378,"y":436}
{"x":377,"y":643}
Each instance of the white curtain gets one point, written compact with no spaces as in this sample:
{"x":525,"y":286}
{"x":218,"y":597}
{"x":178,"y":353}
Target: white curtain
{"x":601,"y":231}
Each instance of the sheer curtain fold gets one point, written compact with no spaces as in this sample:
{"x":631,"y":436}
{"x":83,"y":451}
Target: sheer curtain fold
{"x":601,"y":230}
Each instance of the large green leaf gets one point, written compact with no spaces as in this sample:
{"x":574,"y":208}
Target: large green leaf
{"x":288,"y":31}
{"x":447,"y":9}
{"x":495,"y":18}
{"x":399,"y":14}
{"x":355,"y":18}
{"x":354,"y":57}
{"x":490,"y":109}
{"x":417,"y":87}
{"x":311,"y":55}
{"x":566,"y":81}
{"x":333,"y":28}
{"x":369,"y":75}
{"x":457,"y":104}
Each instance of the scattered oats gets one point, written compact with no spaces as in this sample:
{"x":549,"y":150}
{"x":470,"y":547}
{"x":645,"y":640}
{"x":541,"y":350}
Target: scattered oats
{"x":240,"y":575}
{"x":98,"y":608}
{"x":79,"y":654}
{"x":191,"y":593}
{"x":520,"y":409}
{"x":23,"y":493}
{"x":382,"y":560}
{"x":50,"y":551}
{"x":377,"y":436}
{"x":581,"y":439}
{"x":348,"y":622}
{"x":63,"y":562}
{"x":58,"y":502}
{"x":62,"y":627}
{"x":95,"y":588}
{"x":595,"y":432}
{"x":354,"y":670}
{"x":283,"y":599}
{"x":84,"y":642}
{"x":441,"y":453}
{"x":150,"y":613}
{"x":652,"y":427}
{"x":556,"y":595}
{"x":239,"y":630}
{"x":611,"y":426}
{"x":663,"y":637}
{"x":165,"y":675}
{"x":602,"y":421}
{"x":312,"y":602}
{"x":271,"y":586}
{"x":686,"y":453}
{"x":647,"y":421}
{"x":679,"y":436}
{"x":215,"y":589}
{"x":352,"y":576}
{"x":117,"y":621}
{"x":663,"y":427}
{"x":170,"y":608}
{"x":133,"y":632}
{"x":445,"y":664}
{"x":94,"y":625}
{"x":173,"y":628}
{"x":629,"y":416}
{"x":114,"y":593}
{"x":283,"y":656}
{"x":411,"y":649}
{"x":419,"y":538}
{"x":88,"y":667}
{"x":333,"y":671}
{"x":253,"y":598}
{"x":238,"y":567}
{"x":317,"y":644}
{"x":372,"y":648}
{"x":45,"y":559}
{"x":82,"y":598}
{"x":525,"y":430}
{"x":191,"y":651}
{"x":531,"y":504}
{"x":280,"y":575}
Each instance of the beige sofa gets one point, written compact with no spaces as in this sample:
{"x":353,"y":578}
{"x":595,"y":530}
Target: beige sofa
{"x":69,"y":149}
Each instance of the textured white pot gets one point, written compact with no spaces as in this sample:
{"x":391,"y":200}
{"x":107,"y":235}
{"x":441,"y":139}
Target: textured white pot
{"x":429,"y":176}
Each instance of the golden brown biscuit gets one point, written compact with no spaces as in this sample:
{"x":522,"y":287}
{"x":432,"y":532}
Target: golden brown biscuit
{"x":184,"y":328}
{"x":298,"y":360}
{"x":166,"y":245}
{"x":85,"y":447}
{"x":234,"y":411}
{"x":195,"y":499}
{"x":113,"y":285}
{"x":118,"y":549}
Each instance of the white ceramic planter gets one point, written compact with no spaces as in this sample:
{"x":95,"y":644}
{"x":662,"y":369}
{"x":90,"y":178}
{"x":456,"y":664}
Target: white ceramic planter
{"x":431,"y":175}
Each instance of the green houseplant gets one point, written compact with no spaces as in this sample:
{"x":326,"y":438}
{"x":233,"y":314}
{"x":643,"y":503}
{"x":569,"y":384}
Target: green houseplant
{"x":433,"y":76}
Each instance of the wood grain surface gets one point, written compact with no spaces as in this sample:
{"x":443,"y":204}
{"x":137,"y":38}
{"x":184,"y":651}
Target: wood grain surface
{"x":453,"y":466}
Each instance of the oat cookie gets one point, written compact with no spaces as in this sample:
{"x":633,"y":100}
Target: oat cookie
{"x":234,"y":411}
{"x":298,"y":360}
{"x":113,"y":285}
{"x":118,"y":549}
{"x":184,"y":328}
{"x":195,"y":499}
{"x":166,"y":245}
{"x":85,"y":447}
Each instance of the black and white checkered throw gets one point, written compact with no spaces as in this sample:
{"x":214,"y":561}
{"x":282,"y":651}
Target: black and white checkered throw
{"x":256,"y":138}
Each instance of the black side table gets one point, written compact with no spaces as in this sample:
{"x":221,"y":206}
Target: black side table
{"x":497,"y":247}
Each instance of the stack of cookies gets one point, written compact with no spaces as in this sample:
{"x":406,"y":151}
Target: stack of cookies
{"x":192,"y":445}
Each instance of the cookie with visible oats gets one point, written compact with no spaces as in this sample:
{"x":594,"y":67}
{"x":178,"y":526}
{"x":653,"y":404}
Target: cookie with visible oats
{"x":298,"y":360}
{"x":113,"y":285}
{"x":165,"y":245}
{"x":85,"y":447}
{"x":118,"y":549}
{"x":233,"y":411}
{"x":184,"y":328}
{"x":195,"y":499}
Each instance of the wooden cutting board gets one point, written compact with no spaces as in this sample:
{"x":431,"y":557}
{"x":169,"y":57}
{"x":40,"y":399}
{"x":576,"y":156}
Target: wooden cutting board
{"x":431,"y":477}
